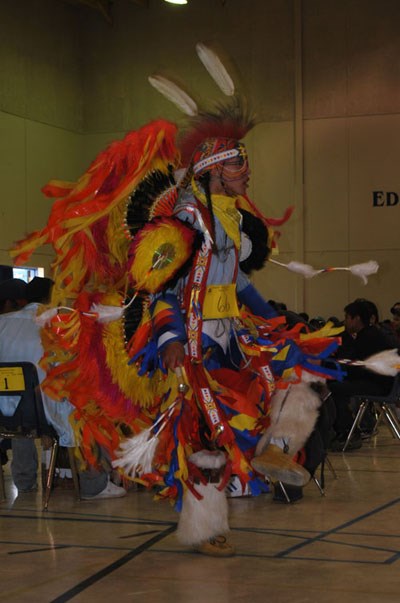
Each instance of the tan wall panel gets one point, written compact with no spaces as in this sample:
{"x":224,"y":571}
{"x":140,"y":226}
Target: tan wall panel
{"x":350,"y":61}
{"x":324,"y":58}
{"x":326,"y":184}
{"x":374,"y":152}
{"x":373,"y":56}
{"x":41,"y":62}
{"x":271,"y":159}
{"x":13,"y":180}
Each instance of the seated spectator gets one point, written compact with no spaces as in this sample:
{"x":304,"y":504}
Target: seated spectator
{"x":392,"y":340}
{"x":317,"y":323}
{"x":12,"y":295}
{"x":335,"y":321}
{"x":292,"y":318}
{"x":395,"y":322}
{"x":360,"y":340}
{"x":20,"y":341}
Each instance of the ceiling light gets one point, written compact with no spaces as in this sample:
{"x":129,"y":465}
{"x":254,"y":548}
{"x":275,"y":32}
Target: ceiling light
{"x":177,"y":1}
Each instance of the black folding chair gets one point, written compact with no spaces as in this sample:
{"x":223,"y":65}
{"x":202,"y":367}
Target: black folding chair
{"x":383,"y":406}
{"x":29,"y":419}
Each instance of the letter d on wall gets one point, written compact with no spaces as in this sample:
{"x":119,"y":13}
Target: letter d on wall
{"x":392,"y":199}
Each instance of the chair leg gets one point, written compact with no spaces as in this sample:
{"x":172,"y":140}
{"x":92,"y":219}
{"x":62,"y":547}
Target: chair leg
{"x":50,"y":474}
{"x":331,"y":467}
{"x":75,"y":477}
{"x":318,"y":484}
{"x":391,"y":419}
{"x":356,"y":423}
{"x":322,"y":473}
{"x":286,"y":495}
{"x":2,"y":486}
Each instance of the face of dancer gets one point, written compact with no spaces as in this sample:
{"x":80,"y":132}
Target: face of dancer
{"x":231,"y":177}
{"x":235,"y":175}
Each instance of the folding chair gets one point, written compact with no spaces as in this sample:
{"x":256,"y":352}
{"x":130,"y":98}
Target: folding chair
{"x":384,"y":407}
{"x":29,"y":419}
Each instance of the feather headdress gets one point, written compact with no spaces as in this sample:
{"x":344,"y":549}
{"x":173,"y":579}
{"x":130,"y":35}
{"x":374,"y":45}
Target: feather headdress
{"x":216,"y":69}
{"x":230,"y":120}
{"x":175,"y":94}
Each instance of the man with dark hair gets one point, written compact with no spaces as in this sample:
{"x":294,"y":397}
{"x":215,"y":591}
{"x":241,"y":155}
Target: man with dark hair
{"x":360,"y":340}
{"x":38,"y":290}
{"x":12,"y":295}
{"x":395,"y":322}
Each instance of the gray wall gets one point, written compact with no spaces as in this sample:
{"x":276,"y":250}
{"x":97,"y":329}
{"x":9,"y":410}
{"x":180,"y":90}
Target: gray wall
{"x":322,"y":75}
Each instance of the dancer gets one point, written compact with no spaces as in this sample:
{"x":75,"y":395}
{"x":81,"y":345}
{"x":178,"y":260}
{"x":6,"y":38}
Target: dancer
{"x":167,"y":351}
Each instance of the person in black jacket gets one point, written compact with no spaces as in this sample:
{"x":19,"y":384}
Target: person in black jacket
{"x":360,"y":340}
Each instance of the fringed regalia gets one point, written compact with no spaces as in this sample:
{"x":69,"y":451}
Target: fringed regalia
{"x":132,"y":273}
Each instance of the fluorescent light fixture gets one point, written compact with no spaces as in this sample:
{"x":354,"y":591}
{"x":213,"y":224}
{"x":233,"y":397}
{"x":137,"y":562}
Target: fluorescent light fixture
{"x":177,"y":1}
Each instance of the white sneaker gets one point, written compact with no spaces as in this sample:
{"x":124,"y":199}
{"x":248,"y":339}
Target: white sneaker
{"x":110,"y":491}
{"x":235,"y":488}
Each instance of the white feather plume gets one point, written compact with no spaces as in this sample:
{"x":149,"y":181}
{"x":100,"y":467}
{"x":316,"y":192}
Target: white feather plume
{"x":364,"y":270}
{"x":136,"y":454}
{"x":308,"y":271}
{"x":304,"y":269}
{"x":175,"y":94}
{"x":107,"y":313}
{"x":384,"y":363}
{"x":216,"y":69}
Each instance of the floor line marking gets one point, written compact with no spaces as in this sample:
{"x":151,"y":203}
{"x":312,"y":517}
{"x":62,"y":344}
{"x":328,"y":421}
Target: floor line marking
{"x":47,"y":548}
{"x":86,"y":519}
{"x":136,"y":534}
{"x":68,"y":595}
{"x":351,"y":522}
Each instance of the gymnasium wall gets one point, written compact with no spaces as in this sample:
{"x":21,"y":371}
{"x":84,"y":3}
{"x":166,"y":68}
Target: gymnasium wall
{"x":322,"y":76}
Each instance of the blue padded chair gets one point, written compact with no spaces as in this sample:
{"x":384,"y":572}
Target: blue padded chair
{"x":29,"y":419}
